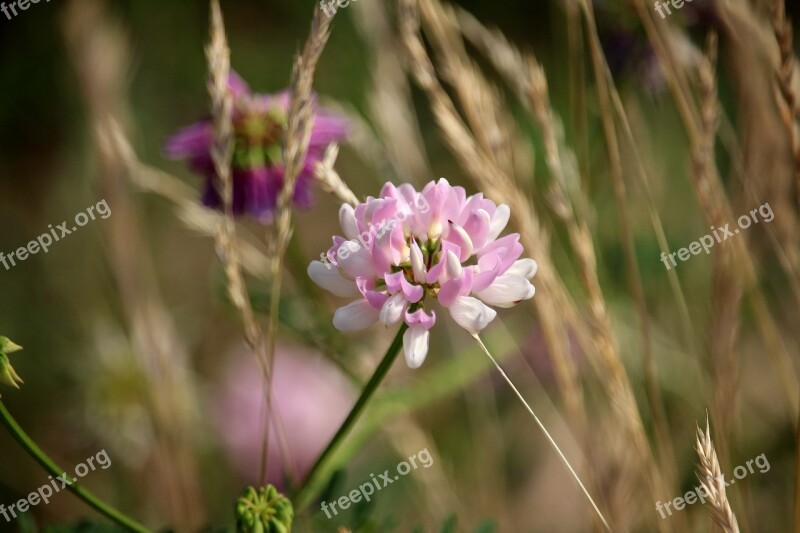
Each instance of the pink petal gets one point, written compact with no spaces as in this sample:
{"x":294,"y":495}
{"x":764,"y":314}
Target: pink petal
{"x":448,"y":246}
{"x":458,"y":236}
{"x":192,"y":141}
{"x":450,"y":291}
{"x":237,"y":85}
{"x":507,"y":248}
{"x":483,"y":279}
{"x":375,"y":298}
{"x":435,"y":272}
{"x":393,"y":281}
{"x":420,"y":317}
{"x":477,"y":226}
{"x":413,"y":293}
{"x":328,"y":128}
{"x":397,"y":282}
{"x":454,"y":288}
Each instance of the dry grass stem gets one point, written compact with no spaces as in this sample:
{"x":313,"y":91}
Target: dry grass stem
{"x":710,"y":475}
{"x":475,"y":154}
{"x":329,"y":180}
{"x":727,"y":287}
{"x":300,"y":120}
{"x":502,"y":188}
{"x":526,"y":76}
{"x":711,"y":194}
{"x":605,"y":86}
{"x":390,"y":95}
{"x":218,"y":56}
{"x":785,"y":96}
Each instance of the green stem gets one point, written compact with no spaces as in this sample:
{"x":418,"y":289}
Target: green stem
{"x":306,"y":489}
{"x":40,"y":457}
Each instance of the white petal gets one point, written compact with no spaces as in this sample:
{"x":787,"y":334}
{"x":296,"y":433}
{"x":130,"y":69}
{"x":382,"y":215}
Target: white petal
{"x":507,"y":290}
{"x":328,"y":277}
{"x":524,"y":267}
{"x":499,"y":222}
{"x":417,"y":262}
{"x":471,"y":314}
{"x":355,"y":316}
{"x":347,"y":219}
{"x":435,"y":230}
{"x":453,"y":266}
{"x":415,"y":345}
{"x":392,"y":311}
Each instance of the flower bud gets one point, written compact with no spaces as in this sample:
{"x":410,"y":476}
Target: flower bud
{"x":7,"y":374}
{"x":263,"y":511}
{"x":6,"y":346}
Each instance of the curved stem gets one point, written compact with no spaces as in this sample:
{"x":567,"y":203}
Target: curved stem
{"x":40,"y":457}
{"x":305,"y":491}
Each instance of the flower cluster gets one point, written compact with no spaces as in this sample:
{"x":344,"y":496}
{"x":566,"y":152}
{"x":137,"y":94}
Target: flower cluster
{"x":450,"y":252}
{"x":259,"y":127}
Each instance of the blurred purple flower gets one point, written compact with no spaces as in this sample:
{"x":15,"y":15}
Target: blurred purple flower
{"x":311,"y":397}
{"x":259,"y":124}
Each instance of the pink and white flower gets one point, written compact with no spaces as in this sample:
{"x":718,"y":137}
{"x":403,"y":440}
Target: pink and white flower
{"x":434,"y":245}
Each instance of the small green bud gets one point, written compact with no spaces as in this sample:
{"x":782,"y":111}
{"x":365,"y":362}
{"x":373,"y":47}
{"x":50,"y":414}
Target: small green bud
{"x":264,"y":511}
{"x":7,"y":346}
{"x":7,"y":374}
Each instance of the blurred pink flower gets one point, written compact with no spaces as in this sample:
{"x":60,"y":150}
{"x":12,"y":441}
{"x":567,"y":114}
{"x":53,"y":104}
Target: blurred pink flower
{"x":418,"y":248}
{"x":311,"y":396}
